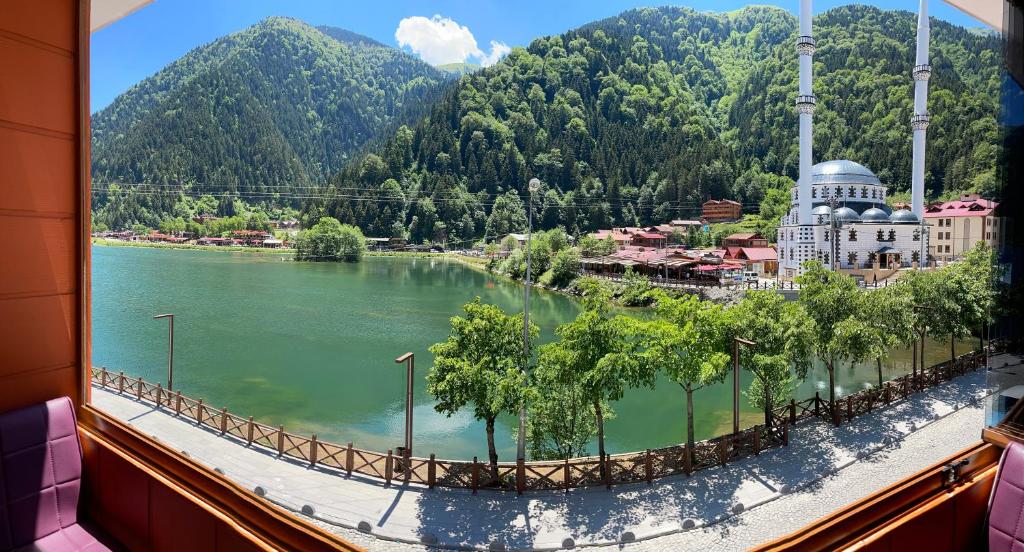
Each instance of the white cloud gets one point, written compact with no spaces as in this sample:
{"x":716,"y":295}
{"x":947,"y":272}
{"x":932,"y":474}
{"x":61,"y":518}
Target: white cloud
{"x":441,"y":40}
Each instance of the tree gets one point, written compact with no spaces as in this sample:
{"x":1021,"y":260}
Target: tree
{"x":830,"y":298}
{"x":600,"y":353}
{"x":783,"y":334}
{"x":561,"y":419}
{"x":507,"y":215}
{"x":687,"y":341}
{"x":330,"y":240}
{"x":884,"y":319}
{"x":565,"y":268}
{"x":481,"y":364}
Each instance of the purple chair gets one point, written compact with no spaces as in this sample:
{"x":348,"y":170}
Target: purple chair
{"x":1005,"y":527}
{"x":40,"y":480}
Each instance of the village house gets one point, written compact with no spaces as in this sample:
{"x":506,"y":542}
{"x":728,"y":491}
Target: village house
{"x":956,"y":226}
{"x":744,"y":239}
{"x":721,"y":210}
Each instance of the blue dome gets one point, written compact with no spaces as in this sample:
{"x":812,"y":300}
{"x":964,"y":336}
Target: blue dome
{"x":843,"y":171}
{"x":874,"y":214}
{"x":903,"y":216}
{"x":845,"y":214}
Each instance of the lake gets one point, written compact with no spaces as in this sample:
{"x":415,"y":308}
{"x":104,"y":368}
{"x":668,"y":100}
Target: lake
{"x":311,"y":346}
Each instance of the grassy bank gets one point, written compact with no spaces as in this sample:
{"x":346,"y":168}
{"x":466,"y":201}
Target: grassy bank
{"x":160,"y":245}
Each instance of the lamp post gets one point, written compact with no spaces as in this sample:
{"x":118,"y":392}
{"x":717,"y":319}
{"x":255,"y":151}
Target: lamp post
{"x":737,"y":341}
{"x":170,"y":348}
{"x":409,"y":360}
{"x":533,"y":186}
{"x":921,"y":329}
{"x":836,"y":225}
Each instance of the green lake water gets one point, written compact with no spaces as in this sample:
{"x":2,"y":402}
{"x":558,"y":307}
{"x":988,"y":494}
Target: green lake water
{"x":311,"y":346}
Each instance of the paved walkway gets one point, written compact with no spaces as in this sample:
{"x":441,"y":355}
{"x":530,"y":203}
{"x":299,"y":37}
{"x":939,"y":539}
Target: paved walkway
{"x":731,"y":507}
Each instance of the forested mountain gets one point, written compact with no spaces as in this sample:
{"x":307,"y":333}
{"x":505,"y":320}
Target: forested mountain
{"x":277,"y":107}
{"x":639,"y":118}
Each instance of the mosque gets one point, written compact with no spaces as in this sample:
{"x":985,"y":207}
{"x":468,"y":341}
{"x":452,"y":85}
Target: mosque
{"x":838,"y":213}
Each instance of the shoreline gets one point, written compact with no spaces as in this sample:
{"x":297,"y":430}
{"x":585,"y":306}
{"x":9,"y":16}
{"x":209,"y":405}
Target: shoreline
{"x":104,"y":242}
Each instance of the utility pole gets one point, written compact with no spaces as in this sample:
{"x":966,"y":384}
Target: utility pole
{"x":533,"y":186}
{"x":170,"y":348}
{"x":409,"y":360}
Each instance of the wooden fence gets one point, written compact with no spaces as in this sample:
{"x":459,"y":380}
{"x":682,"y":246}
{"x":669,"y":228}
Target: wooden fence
{"x":540,"y":475}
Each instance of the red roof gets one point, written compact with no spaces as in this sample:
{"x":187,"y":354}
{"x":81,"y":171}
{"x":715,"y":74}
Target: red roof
{"x":743,"y":236}
{"x":651,"y":235}
{"x":759,"y":253}
{"x":721,"y":201}
{"x":967,"y":206}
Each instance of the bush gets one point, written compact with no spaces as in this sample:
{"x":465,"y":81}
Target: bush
{"x":330,"y":240}
{"x":637,"y":292}
{"x":565,"y":268}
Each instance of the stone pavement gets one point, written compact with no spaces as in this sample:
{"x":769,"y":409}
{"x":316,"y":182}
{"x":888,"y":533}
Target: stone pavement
{"x":731,"y":507}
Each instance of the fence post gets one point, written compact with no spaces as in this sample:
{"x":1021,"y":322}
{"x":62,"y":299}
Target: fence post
{"x":250,"y":432}
{"x":792,"y":411}
{"x":885,"y":393}
{"x":431,"y":472}
{"x":722,"y":452}
{"x":348,"y":459}
{"x":817,"y":400}
{"x":388,"y":467}
{"x":757,"y":441}
{"x":312,"y":450}
{"x":138,"y":389}
{"x":223,"y":420}
{"x":520,"y":475}
{"x":120,"y":383}
{"x":475,"y":475}
{"x":199,"y":412}
{"x":103,"y":378}
{"x":567,"y":481}
{"x":159,"y":394}
{"x":849,"y":408}
{"x":280,"y":440}
{"x":785,"y":435}
{"x":648,"y":467}
{"x":608,"y":463}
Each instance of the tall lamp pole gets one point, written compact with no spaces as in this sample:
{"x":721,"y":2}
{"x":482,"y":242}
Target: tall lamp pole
{"x":408,"y":359}
{"x":533,"y":185}
{"x":836,"y":225}
{"x":737,"y":341}
{"x":170,"y":348}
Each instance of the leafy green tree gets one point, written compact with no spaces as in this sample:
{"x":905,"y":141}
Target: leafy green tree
{"x":172,"y":226}
{"x":636,"y":289}
{"x":481,"y":365}
{"x":565,"y":268}
{"x":883,"y":321}
{"x":599,"y":352}
{"x":561,"y":420}
{"x":830,"y":299}
{"x":508,"y":215}
{"x":783,"y":334}
{"x":330,"y":240}
{"x":687,"y":341}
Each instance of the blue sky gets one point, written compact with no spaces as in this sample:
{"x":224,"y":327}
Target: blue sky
{"x":141,"y":44}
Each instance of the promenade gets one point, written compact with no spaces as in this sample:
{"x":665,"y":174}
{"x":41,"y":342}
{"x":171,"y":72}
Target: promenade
{"x":730,"y":507}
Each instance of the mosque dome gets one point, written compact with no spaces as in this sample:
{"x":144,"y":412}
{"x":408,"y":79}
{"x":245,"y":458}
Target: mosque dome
{"x":843,"y":171}
{"x":874,"y":214}
{"x":821,"y":210}
{"x":904,"y":216}
{"x":845,"y":214}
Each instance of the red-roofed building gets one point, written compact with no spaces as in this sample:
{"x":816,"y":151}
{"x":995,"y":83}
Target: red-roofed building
{"x":649,"y":239}
{"x":744,"y":239}
{"x":720,"y":210}
{"x":763,"y":260}
{"x":956,"y":226}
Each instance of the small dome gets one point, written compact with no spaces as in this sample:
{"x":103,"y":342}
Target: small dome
{"x":821,"y":210}
{"x":874,"y":214}
{"x":845,"y":214}
{"x":904,"y":216}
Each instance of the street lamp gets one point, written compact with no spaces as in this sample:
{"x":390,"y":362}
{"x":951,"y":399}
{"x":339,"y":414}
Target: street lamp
{"x":737,"y":341}
{"x":170,"y":348}
{"x":408,"y":359}
{"x":533,"y":186}
{"x":836,"y":225}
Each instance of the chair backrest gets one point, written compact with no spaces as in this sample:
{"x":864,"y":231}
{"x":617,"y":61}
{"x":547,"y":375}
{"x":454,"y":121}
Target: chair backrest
{"x":40,"y":472}
{"x":1007,"y":504}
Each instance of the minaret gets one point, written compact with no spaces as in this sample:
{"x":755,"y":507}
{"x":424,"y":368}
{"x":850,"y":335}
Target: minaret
{"x":805,"y":104}
{"x":919,"y":121}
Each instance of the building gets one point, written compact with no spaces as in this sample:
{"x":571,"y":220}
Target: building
{"x":956,"y":226}
{"x":763,"y":260}
{"x":744,"y":239}
{"x":656,"y":240}
{"x":721,"y":210}
{"x":838,"y":213}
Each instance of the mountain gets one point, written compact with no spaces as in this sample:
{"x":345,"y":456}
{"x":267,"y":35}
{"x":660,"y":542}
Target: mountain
{"x":639,"y":118}
{"x":275,"y":108}
{"x":458,"y":68}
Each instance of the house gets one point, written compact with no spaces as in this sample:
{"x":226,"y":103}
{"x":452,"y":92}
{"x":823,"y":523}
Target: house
{"x":212,"y":240}
{"x":956,"y":226}
{"x":763,"y":260}
{"x":649,"y":239}
{"x":250,"y":237}
{"x":744,"y":239}
{"x":721,"y":210}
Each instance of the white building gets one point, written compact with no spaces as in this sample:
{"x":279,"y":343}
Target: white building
{"x":866,"y":235}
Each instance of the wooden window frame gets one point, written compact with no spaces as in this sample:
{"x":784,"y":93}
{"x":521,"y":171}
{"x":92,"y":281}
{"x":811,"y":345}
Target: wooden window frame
{"x":264,"y":523}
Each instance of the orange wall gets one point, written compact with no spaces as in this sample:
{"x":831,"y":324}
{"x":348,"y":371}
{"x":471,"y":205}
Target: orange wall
{"x":39,"y":201}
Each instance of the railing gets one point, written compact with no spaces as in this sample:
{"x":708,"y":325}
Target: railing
{"x":540,"y":475}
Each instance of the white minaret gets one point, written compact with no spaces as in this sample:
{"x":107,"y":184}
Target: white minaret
{"x":805,"y":104}
{"x":919,"y":122}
